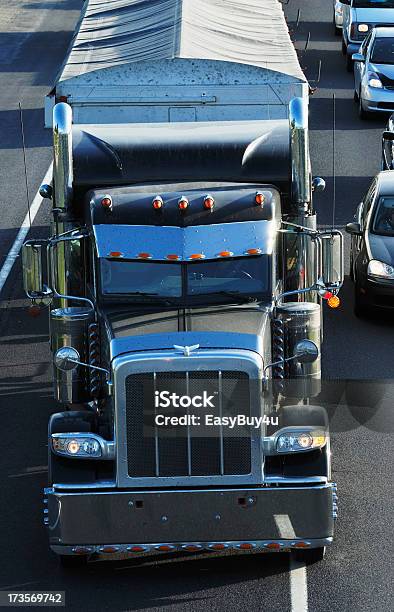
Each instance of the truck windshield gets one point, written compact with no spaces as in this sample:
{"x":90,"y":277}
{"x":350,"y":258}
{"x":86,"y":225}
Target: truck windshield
{"x":222,"y":280}
{"x":373,"y":3}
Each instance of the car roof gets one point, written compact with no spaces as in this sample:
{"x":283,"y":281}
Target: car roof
{"x":386,"y":183}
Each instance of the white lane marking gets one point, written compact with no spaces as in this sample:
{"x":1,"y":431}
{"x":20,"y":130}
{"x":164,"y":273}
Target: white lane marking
{"x":24,"y":230}
{"x":298,"y":580}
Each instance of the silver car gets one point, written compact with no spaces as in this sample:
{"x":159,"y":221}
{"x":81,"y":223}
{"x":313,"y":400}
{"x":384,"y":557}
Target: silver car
{"x":338,"y":16}
{"x":359,"y":17}
{"x":374,"y":72}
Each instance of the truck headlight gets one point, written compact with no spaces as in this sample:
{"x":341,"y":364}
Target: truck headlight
{"x":295,"y":440}
{"x":363,"y":28}
{"x":82,"y":446}
{"x":374,"y":81}
{"x":380,"y":269}
{"x":298,"y":441}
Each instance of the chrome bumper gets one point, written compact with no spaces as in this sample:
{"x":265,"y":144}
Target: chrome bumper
{"x":272,"y":518}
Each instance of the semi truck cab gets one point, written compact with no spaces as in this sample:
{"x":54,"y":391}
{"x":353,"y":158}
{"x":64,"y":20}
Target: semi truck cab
{"x":175,"y":252}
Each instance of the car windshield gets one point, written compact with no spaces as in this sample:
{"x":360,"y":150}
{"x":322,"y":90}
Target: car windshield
{"x":238,"y":279}
{"x":373,"y":3}
{"x":383,"y":51}
{"x":383,"y":222}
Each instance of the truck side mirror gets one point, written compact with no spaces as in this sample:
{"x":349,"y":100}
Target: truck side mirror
{"x":332,"y":266}
{"x":306,"y":351}
{"x":32,"y":263}
{"x":354,"y":229}
{"x":358,"y":57}
{"x":318,"y":184}
{"x":66,"y":358}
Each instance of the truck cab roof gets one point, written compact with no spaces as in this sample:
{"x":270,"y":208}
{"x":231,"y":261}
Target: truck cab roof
{"x":231,"y":203}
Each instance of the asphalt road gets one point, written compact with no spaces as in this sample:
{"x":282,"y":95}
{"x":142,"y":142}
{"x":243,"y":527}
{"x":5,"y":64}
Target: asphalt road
{"x":357,"y":572}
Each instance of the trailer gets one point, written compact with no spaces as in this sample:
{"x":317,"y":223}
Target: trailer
{"x":185,"y":278}
{"x":175,"y":61}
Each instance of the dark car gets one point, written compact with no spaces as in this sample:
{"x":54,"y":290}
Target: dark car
{"x":372,"y":247}
{"x":388,"y":145}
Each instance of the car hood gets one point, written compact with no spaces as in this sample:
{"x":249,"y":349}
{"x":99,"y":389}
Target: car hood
{"x":385,"y":72}
{"x":242,"y":327}
{"x":374,"y":15}
{"x":382,"y":248}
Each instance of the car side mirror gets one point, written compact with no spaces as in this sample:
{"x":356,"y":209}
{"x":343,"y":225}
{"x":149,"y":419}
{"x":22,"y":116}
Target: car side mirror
{"x":358,"y":57}
{"x":354,"y":229}
{"x":388,"y":135}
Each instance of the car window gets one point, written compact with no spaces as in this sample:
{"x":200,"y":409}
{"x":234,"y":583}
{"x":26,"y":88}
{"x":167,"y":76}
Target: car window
{"x":364,"y":46}
{"x":383,"y":51}
{"x":383,"y":222}
{"x":369,"y":198}
{"x":373,"y":3}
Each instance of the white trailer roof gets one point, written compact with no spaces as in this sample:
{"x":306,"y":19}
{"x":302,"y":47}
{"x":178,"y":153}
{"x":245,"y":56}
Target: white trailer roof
{"x":112,"y":33}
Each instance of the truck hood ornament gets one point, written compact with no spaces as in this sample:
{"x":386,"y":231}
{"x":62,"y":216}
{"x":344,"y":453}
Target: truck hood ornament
{"x":186,"y":350}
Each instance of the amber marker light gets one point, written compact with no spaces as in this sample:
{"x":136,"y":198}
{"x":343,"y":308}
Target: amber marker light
{"x":246,"y":546}
{"x":301,"y":545}
{"x":253,"y":252}
{"x":226,"y":254}
{"x":107,"y":203}
{"x":334,"y":301}
{"x":144,"y":256}
{"x":116,"y":254}
{"x":157,"y":202}
{"x":183,"y":203}
{"x":173,"y":257}
{"x":273,"y":546}
{"x":209,"y":202}
{"x":259,"y":198}
{"x":197,"y":256}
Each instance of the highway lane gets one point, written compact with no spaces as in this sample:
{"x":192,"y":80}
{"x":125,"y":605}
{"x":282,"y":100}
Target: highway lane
{"x":356,"y":572}
{"x":33,"y":40}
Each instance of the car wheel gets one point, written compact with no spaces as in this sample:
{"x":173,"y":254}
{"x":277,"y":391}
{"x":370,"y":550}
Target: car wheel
{"x":351,"y":273}
{"x":338,"y":31}
{"x":344,"y":48}
{"x":349,"y":63}
{"x":360,"y":309}
{"x":355,"y":96}
{"x":363,"y":114}
{"x":310,"y":555}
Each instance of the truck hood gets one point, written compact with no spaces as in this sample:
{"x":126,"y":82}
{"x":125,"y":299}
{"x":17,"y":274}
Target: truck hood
{"x":374,"y":15}
{"x":240,"y":327}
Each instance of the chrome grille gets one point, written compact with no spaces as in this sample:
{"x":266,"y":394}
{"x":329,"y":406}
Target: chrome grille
{"x":186,"y":451}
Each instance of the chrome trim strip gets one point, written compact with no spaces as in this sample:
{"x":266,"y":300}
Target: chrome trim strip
{"x":285,"y":546}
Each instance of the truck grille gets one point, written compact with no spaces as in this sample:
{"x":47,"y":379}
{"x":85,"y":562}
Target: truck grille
{"x":187,"y":450}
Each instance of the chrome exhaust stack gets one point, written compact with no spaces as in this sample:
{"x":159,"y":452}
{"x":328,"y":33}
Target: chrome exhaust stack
{"x":301,"y":179}
{"x":62,"y":157}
